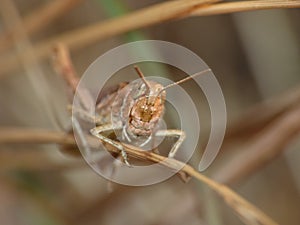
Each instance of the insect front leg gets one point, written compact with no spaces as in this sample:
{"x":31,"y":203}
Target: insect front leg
{"x":177,"y":133}
{"x":109,"y":127}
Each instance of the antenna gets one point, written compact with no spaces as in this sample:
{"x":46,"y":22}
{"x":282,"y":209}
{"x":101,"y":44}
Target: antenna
{"x":184,"y":80}
{"x":141,"y":75}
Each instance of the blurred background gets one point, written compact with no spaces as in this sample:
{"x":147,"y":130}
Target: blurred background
{"x":255,"y":57}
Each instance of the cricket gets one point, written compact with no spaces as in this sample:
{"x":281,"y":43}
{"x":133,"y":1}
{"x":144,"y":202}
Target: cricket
{"x":132,"y":108}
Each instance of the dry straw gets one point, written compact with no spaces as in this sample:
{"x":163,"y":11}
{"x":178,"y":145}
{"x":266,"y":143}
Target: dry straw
{"x":155,"y":14}
{"x":248,"y":213}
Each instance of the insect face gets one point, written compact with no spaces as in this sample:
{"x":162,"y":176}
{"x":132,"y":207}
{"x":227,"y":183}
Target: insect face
{"x":147,"y":110}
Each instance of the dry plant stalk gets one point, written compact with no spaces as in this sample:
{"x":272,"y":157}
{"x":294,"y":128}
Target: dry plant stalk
{"x":37,"y":20}
{"x":156,"y":14}
{"x":242,"y":6}
{"x":248,"y":213}
{"x":267,"y":128}
{"x":64,"y":66}
{"x":11,"y":18}
{"x":262,"y":114}
{"x":262,"y":148}
{"x":14,"y":135}
{"x":90,"y":34}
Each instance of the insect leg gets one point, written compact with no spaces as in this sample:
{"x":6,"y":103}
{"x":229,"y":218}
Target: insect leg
{"x":64,"y":66}
{"x":109,"y":127}
{"x":178,"y":133}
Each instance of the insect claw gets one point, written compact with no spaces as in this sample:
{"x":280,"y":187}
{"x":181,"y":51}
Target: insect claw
{"x":124,"y":156}
{"x":127,"y":163}
{"x":171,"y":155}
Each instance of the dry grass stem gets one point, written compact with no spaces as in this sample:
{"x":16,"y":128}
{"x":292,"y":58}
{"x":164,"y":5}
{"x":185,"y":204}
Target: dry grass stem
{"x":9,"y":135}
{"x":262,"y":114}
{"x":268,"y":128}
{"x":263,"y":148}
{"x":37,"y":20}
{"x":39,"y":84}
{"x":242,"y":6}
{"x":156,"y":14}
{"x":64,"y":66}
{"x":248,"y":212}
{"x":90,"y":34}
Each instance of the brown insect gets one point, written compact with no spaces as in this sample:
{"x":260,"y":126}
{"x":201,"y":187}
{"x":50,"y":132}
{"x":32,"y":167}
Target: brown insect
{"x":132,"y":110}
{"x":136,"y":110}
